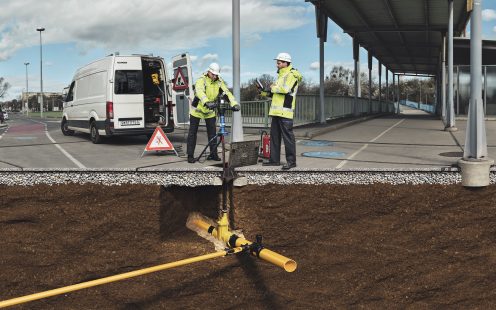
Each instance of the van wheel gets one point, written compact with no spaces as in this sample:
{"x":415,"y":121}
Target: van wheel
{"x":65,"y":129}
{"x":94,"y":135}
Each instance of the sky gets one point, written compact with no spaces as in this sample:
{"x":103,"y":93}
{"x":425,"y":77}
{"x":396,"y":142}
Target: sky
{"x":81,"y":31}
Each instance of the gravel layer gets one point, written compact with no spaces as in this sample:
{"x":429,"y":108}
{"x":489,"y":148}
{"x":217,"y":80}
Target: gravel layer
{"x":211,"y":177}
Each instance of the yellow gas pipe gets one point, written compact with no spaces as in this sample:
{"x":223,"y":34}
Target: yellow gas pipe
{"x":83,"y":285}
{"x":222,"y":233}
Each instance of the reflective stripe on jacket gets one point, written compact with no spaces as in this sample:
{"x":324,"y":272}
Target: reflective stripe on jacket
{"x":207,"y":90}
{"x":283,"y":92}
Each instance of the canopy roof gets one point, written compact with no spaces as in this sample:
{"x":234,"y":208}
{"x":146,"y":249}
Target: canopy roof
{"x":404,"y":35}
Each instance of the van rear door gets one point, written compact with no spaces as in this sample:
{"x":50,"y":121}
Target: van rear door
{"x":155,"y":92}
{"x":128,"y":93}
{"x":182,"y":88}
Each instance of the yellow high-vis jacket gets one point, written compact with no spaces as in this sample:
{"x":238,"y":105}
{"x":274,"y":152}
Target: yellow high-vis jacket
{"x":207,"y":90}
{"x":283,"y":92}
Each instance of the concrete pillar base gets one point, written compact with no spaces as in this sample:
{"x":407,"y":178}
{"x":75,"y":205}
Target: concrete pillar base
{"x":240,"y":181}
{"x":217,"y":181}
{"x":450,"y":129}
{"x":475,"y":173}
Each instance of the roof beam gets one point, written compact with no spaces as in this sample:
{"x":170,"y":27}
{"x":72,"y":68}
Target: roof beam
{"x":417,"y":75}
{"x":367,"y":24}
{"x":396,"y":28}
{"x":393,"y":45}
{"x":458,"y":32}
{"x":393,"y":18}
{"x":427,"y":32}
{"x":408,"y":72}
{"x":419,"y":62}
{"x":331,"y":15}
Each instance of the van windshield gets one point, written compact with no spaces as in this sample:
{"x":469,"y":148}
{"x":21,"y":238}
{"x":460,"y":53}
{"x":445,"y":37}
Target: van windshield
{"x":128,"y":82}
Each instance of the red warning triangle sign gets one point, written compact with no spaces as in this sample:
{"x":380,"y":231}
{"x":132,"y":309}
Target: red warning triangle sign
{"x":159,"y":142}
{"x":180,"y":83}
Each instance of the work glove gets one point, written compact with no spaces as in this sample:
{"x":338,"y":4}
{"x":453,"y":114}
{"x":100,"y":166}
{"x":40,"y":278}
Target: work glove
{"x":211,"y":105}
{"x":236,"y":107}
{"x":264,"y":89}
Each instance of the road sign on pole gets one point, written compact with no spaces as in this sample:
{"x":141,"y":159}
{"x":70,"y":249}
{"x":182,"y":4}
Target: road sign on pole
{"x":180,"y":82}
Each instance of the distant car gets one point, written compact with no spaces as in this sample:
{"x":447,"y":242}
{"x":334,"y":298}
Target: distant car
{"x":5,"y":115}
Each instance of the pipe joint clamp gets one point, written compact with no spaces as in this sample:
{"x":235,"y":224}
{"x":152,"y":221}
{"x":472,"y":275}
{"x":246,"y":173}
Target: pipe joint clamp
{"x":257,"y":246}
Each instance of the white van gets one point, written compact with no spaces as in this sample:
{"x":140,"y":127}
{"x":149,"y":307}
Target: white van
{"x":119,"y":95}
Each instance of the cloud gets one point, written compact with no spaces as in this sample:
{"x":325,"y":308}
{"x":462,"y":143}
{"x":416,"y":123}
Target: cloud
{"x":209,"y":58}
{"x":202,"y":62}
{"x":494,"y":29}
{"x":488,"y":15}
{"x":226,"y":69}
{"x":337,"y":38}
{"x":328,"y":65}
{"x":315,"y":65}
{"x":165,"y":25}
{"x":250,"y":39}
{"x":18,"y":83}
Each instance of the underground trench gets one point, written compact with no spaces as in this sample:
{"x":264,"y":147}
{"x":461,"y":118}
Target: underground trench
{"x":356,"y":245}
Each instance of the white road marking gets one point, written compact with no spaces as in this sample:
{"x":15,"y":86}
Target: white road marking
{"x":71,"y":158}
{"x":4,"y":132}
{"x":365,"y":146}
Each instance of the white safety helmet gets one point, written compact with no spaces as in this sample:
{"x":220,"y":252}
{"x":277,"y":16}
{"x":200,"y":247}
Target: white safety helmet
{"x":283,"y":57}
{"x":214,"y":68}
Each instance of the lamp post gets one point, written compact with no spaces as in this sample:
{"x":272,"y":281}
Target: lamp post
{"x":40,"y":29}
{"x":27,"y":90}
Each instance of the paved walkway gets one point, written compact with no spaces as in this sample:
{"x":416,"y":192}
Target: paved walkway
{"x":412,"y":140}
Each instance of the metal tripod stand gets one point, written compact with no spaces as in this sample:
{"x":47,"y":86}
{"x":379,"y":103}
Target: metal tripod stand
{"x":227,"y":174}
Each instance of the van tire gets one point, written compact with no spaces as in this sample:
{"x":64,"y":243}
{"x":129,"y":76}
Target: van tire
{"x":94,"y":135}
{"x":65,"y":129}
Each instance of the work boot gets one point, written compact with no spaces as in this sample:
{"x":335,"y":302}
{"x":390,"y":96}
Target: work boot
{"x":271,"y":164}
{"x":288,"y":166}
{"x":191,"y":159}
{"x":214,"y":157}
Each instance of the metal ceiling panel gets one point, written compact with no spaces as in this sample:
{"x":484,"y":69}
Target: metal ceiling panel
{"x":404,"y":35}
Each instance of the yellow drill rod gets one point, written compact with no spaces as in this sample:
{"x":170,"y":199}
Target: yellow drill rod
{"x":131,"y":274}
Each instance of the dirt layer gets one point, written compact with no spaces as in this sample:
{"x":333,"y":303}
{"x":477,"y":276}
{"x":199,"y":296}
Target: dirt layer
{"x":374,"y":246}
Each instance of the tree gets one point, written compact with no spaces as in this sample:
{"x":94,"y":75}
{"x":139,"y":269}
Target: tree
{"x":4,"y":86}
{"x":249,"y":92}
{"x":414,"y":88}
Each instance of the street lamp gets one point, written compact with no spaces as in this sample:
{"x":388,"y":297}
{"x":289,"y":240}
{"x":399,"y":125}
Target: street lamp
{"x":40,"y":29}
{"x":27,"y":90}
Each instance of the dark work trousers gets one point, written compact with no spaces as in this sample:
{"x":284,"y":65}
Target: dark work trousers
{"x":282,"y":126}
{"x":193,"y":130}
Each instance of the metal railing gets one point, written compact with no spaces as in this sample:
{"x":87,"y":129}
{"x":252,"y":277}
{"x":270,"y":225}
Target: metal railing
{"x":419,"y":106}
{"x":256,"y":113}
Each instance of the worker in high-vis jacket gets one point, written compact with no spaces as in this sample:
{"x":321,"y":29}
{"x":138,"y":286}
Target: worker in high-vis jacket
{"x":207,"y":89}
{"x":282,"y":109}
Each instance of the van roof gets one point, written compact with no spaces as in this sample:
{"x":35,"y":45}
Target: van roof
{"x":93,"y":66}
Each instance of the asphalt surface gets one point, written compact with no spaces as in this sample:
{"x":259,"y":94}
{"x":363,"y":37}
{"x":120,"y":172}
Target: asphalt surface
{"x":412,"y":139}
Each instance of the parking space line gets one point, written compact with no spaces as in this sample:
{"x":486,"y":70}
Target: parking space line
{"x":61,"y":149}
{"x":341,"y":164}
